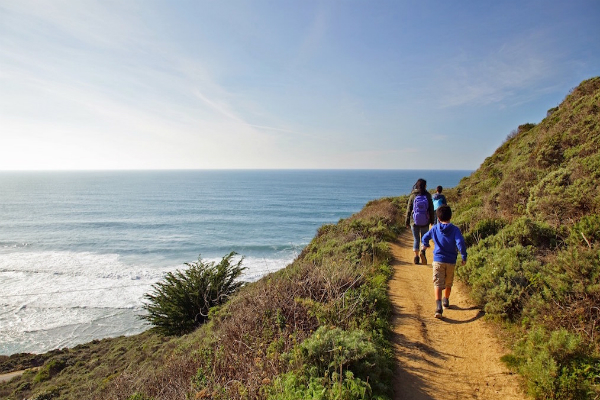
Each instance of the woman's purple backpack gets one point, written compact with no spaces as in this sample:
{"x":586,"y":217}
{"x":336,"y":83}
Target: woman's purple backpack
{"x":420,"y":208}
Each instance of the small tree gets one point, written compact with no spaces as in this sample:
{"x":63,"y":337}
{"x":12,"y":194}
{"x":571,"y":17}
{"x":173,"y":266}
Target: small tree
{"x":180,"y":303}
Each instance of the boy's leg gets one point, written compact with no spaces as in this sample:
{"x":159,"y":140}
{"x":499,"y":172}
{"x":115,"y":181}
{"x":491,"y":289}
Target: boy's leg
{"x":439,"y":283}
{"x":446,"y":298}
{"x":438,"y":302}
{"x":447,"y":292}
{"x":449,"y":281}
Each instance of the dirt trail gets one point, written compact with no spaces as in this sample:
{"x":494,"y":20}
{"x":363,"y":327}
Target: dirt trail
{"x":456,"y":357}
{"x":8,"y":376}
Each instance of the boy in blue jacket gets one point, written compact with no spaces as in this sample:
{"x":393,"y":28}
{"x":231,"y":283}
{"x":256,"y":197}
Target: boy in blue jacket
{"x":447,"y":239}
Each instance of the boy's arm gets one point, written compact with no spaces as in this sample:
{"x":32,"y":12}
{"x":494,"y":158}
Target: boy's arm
{"x":460,"y":244}
{"x":426,"y":238}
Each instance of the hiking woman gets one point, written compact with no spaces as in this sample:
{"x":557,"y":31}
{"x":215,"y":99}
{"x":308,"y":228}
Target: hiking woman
{"x":419,"y":215}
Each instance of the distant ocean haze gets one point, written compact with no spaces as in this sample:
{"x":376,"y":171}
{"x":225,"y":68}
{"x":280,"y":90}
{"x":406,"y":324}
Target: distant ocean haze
{"x":78,"y":250}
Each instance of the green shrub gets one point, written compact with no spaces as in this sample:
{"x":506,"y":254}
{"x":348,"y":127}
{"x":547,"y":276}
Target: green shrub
{"x":525,"y":232}
{"x":292,"y":386}
{"x":560,"y":196}
{"x":556,"y":364}
{"x":483,"y":229}
{"x":586,"y":232}
{"x":334,"y":364}
{"x":502,"y":279}
{"x":572,"y":293}
{"x":51,"y":393}
{"x":330,"y":350}
{"x":182,"y":301}
{"x":49,"y":369}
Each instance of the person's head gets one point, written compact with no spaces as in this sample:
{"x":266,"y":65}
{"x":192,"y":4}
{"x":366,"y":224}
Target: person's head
{"x":444,"y":213}
{"x":420,"y":185}
{"x":439,"y":189}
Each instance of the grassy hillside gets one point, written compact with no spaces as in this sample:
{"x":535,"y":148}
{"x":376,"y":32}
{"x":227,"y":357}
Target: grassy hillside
{"x":316,"y":329}
{"x":531,"y":214}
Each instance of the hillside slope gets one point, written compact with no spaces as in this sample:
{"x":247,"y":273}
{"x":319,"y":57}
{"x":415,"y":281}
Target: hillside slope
{"x":531,"y":214}
{"x":547,"y":171}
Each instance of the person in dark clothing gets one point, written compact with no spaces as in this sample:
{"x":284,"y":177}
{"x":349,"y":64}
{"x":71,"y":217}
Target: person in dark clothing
{"x":419,"y":215}
{"x":438,"y":200}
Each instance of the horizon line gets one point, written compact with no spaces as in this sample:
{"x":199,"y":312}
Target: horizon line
{"x":228,"y":169}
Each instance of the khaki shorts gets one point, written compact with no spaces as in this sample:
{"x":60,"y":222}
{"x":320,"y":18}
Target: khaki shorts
{"x":443,"y":274}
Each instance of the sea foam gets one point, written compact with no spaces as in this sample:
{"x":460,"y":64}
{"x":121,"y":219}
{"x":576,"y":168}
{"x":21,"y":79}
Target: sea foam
{"x":55,"y":299}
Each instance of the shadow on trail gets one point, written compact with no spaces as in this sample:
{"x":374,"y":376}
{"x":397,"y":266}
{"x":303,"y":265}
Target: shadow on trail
{"x":466,"y":321}
{"x":455,"y":307}
{"x":412,"y":386}
{"x":409,"y":383}
{"x":423,"y":349}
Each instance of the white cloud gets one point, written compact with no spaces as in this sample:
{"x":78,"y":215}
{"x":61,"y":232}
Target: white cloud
{"x":72,"y":106}
{"x":500,"y":74}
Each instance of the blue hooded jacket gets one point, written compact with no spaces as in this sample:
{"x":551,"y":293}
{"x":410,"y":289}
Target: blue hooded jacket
{"x":447,"y":238}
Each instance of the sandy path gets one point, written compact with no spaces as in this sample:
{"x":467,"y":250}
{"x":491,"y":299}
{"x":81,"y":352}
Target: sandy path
{"x":456,"y":357}
{"x":8,"y":376}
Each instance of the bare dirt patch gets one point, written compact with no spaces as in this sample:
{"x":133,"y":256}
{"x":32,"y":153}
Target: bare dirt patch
{"x":456,"y":357}
{"x":8,"y":376}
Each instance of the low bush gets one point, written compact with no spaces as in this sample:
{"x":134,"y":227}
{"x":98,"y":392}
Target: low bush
{"x":50,"y":369}
{"x":572,"y":293}
{"x":586,"y":232}
{"x":557,"y":365}
{"x":181,"y":302}
{"x":333,"y":364}
{"x":502,"y":278}
{"x":483,"y":229}
{"x":525,"y":232}
{"x":291,"y":386}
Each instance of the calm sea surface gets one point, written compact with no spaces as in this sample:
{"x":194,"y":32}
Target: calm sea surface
{"x":78,"y":250}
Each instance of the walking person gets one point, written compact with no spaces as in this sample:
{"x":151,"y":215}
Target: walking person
{"x":438,"y":200}
{"x":448,"y":241}
{"x":419,"y":215}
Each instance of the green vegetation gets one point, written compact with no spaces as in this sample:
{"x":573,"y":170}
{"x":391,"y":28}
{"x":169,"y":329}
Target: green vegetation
{"x":316,"y":329}
{"x":531,"y":216}
{"x":181,"y":302}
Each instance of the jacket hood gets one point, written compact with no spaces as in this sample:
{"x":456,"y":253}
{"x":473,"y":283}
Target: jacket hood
{"x":445,"y":229}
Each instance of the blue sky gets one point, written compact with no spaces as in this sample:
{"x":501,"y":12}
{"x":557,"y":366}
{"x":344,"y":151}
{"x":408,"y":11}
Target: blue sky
{"x":282,"y":84}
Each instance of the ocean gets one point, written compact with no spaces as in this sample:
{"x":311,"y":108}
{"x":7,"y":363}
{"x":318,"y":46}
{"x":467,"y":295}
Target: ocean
{"x":78,"y":250}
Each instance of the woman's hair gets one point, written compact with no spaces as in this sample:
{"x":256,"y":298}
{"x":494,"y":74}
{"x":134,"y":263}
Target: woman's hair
{"x":420,"y":185}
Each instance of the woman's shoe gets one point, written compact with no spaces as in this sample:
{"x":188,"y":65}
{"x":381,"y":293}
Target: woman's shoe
{"x":423,"y":258}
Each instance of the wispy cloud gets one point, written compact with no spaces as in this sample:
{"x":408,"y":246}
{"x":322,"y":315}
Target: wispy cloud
{"x":313,"y":37}
{"x":158,"y":104}
{"x":498,"y":75}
